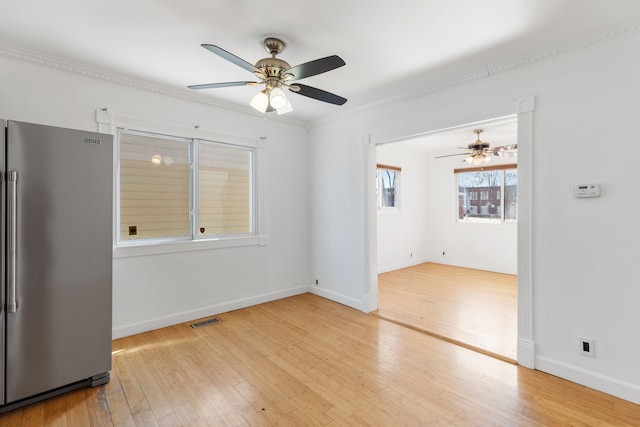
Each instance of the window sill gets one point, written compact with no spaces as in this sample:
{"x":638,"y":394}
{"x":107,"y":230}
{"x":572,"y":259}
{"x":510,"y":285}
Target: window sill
{"x":135,"y":249}
{"x":389,"y":211}
{"x":485,"y":224}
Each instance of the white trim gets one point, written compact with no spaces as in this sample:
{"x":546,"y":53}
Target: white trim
{"x":154,"y":247}
{"x":604,"y":383}
{"x":259,"y":180}
{"x":370,"y":292}
{"x":493,"y":114}
{"x":400,"y":266}
{"x":525,"y":108}
{"x":361,"y":305}
{"x":109,"y":122}
{"x":211,"y":310}
{"x":526,"y":353}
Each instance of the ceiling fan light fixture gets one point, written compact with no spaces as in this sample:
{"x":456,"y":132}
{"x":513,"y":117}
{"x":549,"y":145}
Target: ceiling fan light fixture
{"x":277,"y":98}
{"x":274,"y":73}
{"x":477,"y":159}
{"x":260,"y":102}
{"x":286,"y":109}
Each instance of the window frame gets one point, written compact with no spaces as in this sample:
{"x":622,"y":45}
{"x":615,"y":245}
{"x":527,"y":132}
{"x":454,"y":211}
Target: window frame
{"x":118,"y":230}
{"x":501,"y":192}
{"x":194,"y":202}
{"x":110,"y":121}
{"x":195,"y":209}
{"x":397,"y":184}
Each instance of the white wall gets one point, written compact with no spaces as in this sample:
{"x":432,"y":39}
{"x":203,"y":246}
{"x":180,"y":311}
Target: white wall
{"x":158,"y":290}
{"x":491,"y":247}
{"x":403,"y":239}
{"x":425,"y":224}
{"x":584,"y":251}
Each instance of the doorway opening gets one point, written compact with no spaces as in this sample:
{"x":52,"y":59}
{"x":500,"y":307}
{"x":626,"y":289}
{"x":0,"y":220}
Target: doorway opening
{"x":447,"y":240}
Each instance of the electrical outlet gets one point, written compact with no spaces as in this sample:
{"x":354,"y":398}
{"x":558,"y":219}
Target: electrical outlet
{"x":316,"y":282}
{"x":587,"y":347}
{"x":442,"y":253}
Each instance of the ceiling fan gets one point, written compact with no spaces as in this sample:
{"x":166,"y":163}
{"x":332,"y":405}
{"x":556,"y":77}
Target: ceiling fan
{"x":480,"y":151}
{"x":277,"y":74}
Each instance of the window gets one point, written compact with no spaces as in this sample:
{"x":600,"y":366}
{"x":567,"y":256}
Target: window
{"x":173,"y":188}
{"x":388,"y":186}
{"x":224,"y":190}
{"x":490,"y":183}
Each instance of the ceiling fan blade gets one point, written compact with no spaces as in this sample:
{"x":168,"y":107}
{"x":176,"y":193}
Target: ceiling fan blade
{"x":511,"y":147}
{"x":451,"y":155}
{"x":231,"y":57}
{"x":313,"y":68}
{"x":319,"y":94}
{"x":217,"y":85}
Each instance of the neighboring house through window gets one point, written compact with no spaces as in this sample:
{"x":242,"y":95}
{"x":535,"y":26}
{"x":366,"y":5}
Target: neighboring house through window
{"x":480,"y":192}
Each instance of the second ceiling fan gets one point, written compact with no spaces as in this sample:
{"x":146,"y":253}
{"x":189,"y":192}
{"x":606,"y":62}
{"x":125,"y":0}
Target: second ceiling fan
{"x":480,"y":151}
{"x":276,"y":75}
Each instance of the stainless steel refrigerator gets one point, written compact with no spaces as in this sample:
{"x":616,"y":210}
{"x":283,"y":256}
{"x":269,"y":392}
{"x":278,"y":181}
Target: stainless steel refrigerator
{"x":56,"y":216}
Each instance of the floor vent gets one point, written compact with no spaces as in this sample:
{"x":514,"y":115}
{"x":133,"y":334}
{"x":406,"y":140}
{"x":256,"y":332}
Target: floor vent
{"x":205,"y":322}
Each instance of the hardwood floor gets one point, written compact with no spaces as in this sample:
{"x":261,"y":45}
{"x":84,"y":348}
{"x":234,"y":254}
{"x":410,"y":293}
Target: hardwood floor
{"x":473,"y":308}
{"x":305,"y":361}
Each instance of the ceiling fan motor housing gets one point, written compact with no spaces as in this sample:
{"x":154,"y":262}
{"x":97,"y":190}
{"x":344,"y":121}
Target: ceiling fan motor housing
{"x":478,"y":146}
{"x":272,"y":67}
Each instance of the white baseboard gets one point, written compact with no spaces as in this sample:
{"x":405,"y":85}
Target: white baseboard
{"x":400,"y":266}
{"x":526,"y":353}
{"x":474,"y":265}
{"x":612,"y":386}
{"x":212,"y":310}
{"x":339,"y":298}
{"x":446,"y":261}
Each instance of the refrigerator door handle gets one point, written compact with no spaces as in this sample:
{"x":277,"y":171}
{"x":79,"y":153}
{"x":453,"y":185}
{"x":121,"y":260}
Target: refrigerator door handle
{"x":12,"y":226}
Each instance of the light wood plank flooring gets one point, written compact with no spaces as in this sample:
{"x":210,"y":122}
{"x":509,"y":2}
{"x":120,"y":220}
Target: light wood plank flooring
{"x":305,"y":361}
{"x":473,"y":308}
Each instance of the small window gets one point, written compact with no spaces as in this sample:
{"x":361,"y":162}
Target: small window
{"x":388,"y":186}
{"x":480,"y":192}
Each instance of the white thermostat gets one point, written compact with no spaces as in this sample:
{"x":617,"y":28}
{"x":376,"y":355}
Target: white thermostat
{"x":587,"y":190}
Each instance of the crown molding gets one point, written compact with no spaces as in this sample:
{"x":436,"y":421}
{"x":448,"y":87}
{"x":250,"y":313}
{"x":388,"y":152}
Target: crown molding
{"x":488,"y":71}
{"x":72,"y":67}
{"x":597,"y":39}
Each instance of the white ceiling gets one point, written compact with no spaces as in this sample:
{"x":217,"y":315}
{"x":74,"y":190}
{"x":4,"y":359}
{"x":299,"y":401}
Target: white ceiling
{"x":389,"y":47}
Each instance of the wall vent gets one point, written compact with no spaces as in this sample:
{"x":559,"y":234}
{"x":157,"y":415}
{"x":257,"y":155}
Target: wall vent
{"x":205,"y":322}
